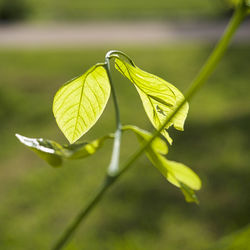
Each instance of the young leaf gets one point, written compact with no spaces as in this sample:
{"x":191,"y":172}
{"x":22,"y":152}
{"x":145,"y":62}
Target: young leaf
{"x":189,"y":194}
{"x":82,"y":150}
{"x":158,"y":145}
{"x":54,"y":153}
{"x":176,"y":173}
{"x":49,"y":151}
{"x":80,"y":102}
{"x":159,"y":97}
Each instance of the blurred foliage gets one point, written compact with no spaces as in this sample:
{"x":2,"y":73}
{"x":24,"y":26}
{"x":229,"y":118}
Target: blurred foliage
{"x":13,"y":10}
{"x":239,"y":240}
{"x":237,"y":2}
{"x":142,"y":211}
{"x":110,"y":9}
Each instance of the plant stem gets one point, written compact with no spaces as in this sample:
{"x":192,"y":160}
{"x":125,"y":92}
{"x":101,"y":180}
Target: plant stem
{"x":219,"y":50}
{"x":114,"y":163}
{"x":76,"y":222}
{"x":114,"y":173}
{"x":116,"y":53}
{"x":117,"y":112}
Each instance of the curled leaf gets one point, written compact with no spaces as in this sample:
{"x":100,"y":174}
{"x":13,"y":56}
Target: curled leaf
{"x":48,"y":150}
{"x":82,"y":150}
{"x":189,"y":194}
{"x":176,"y":173}
{"x":159,"y":97}
{"x":80,"y":102}
{"x":54,"y":153}
{"x":158,"y":145}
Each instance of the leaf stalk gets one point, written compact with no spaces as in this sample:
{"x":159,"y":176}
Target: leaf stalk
{"x":114,"y":163}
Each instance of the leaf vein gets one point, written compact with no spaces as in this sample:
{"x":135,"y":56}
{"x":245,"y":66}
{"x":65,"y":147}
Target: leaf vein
{"x":66,"y":98}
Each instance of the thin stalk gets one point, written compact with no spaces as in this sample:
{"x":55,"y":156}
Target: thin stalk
{"x":116,"y":53}
{"x":116,"y":106}
{"x":114,"y":163}
{"x":83,"y":213}
{"x":197,"y":83}
{"x":219,"y":50}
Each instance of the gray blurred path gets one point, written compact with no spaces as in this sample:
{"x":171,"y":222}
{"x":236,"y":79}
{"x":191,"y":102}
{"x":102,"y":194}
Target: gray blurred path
{"x":113,"y":33}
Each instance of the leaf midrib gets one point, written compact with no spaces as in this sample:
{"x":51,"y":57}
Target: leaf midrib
{"x":79,"y":105}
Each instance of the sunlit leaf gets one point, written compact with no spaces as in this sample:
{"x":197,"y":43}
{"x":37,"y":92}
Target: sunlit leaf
{"x":159,"y":97}
{"x":189,"y":194}
{"x":158,"y":145}
{"x":180,"y":174}
{"x":176,"y":173}
{"x":48,"y":150}
{"x":80,"y":102}
{"x":82,"y":150}
{"x":54,"y":153}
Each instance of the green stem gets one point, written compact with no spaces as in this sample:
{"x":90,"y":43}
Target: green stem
{"x":83,"y":213}
{"x":116,"y":53}
{"x":200,"y":79}
{"x":107,"y":67}
{"x":219,"y":50}
{"x":114,"y":163}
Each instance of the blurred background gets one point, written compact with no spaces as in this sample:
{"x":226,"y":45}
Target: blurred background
{"x":44,"y":43}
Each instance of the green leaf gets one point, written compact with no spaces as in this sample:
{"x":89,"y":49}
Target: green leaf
{"x":158,"y":145}
{"x":179,"y":173}
{"x":80,"y":102}
{"x":189,"y":194}
{"x":48,"y":150}
{"x":82,"y":150}
{"x":159,"y":97}
{"x":176,"y":173}
{"x":54,"y":153}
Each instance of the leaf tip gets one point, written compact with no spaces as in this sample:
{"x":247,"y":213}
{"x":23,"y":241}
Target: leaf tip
{"x":21,"y":138}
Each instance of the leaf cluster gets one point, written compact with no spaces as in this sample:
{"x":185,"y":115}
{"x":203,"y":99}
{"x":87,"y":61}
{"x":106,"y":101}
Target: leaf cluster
{"x":79,"y":103}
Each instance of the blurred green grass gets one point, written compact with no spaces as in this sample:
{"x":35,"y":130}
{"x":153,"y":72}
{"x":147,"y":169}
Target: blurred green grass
{"x":142,"y":211}
{"x":112,"y":9}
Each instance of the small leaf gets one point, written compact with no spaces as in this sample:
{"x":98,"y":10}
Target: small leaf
{"x":158,"y":145}
{"x":49,"y":151}
{"x":189,"y":194}
{"x":80,"y":102}
{"x":54,"y":153}
{"x":159,"y":97}
{"x":82,"y":150}
{"x":176,"y":173}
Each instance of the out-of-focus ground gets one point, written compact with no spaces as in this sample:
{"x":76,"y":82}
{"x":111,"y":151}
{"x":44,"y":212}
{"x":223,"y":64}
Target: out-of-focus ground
{"x":134,"y":33}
